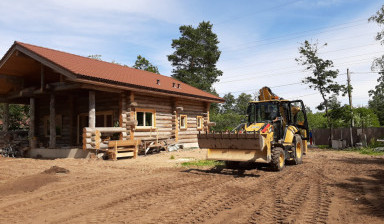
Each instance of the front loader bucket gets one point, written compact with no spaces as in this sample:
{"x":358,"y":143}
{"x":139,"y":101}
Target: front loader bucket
{"x":234,"y":147}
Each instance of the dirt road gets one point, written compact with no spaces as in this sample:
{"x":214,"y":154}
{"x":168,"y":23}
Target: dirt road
{"x":330,"y":187}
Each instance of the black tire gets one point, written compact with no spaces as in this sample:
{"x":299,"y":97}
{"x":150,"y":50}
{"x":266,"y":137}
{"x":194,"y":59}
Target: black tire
{"x":232,"y":165}
{"x":278,"y":159}
{"x":298,"y":150}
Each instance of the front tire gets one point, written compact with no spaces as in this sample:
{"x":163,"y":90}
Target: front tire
{"x":278,"y":159}
{"x":298,"y":150}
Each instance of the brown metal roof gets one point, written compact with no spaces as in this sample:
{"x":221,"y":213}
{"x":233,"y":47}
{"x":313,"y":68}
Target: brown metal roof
{"x":103,"y":71}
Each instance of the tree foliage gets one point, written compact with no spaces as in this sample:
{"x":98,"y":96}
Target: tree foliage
{"x":229,"y":104}
{"x":226,"y":121}
{"x":195,"y":56}
{"x":341,"y":116}
{"x":376,"y":103}
{"x":18,"y":116}
{"x":143,"y":64}
{"x":322,"y":78}
{"x":242,"y":103}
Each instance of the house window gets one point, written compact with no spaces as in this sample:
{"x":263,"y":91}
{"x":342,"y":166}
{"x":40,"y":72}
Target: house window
{"x":183,"y":121}
{"x":200,"y":122}
{"x":59,"y":125}
{"x":145,"y":118}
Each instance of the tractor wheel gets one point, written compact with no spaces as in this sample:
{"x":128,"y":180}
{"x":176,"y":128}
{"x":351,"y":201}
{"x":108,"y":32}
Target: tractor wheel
{"x":232,"y":165}
{"x":278,"y":159}
{"x":298,"y":150}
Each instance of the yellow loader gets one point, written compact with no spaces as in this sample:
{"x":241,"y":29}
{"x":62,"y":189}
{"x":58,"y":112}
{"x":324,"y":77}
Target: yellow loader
{"x":275,"y":133}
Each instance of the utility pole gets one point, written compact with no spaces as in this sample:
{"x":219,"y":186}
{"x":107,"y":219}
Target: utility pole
{"x":350,"y":105}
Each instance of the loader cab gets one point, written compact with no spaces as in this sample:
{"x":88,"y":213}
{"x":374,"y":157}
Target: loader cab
{"x":275,"y":112}
{"x":262,"y":112}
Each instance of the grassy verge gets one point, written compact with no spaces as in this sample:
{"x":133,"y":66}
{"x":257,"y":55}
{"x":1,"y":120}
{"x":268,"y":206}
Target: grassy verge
{"x":366,"y":151}
{"x":200,"y":163}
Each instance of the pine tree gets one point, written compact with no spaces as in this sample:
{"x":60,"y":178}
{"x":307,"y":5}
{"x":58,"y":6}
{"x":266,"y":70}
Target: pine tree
{"x":195,"y":57}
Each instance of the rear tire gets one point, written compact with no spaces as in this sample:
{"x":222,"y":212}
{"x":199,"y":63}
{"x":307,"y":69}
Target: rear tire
{"x":278,"y":159}
{"x":298,"y":150}
{"x":232,"y":165}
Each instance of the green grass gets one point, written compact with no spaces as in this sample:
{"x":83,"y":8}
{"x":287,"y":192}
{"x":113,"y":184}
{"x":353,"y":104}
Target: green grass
{"x":200,"y":163}
{"x":365,"y":151}
{"x":322,"y":146}
{"x":172,"y":157}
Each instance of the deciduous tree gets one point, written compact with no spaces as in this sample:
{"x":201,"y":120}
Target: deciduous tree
{"x":376,"y":103}
{"x":322,"y":78}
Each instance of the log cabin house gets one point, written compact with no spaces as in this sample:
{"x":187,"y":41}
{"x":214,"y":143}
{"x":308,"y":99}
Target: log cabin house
{"x":81,"y":102}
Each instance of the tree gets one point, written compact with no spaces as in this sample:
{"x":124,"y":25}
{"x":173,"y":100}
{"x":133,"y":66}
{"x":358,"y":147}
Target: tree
{"x":226,"y":121}
{"x":322,"y":78}
{"x":195,"y":57}
{"x":229,"y":104}
{"x":242,"y":102}
{"x":18,"y":116}
{"x":365,"y":117}
{"x":316,"y":120}
{"x":377,"y":94}
{"x":143,"y":64}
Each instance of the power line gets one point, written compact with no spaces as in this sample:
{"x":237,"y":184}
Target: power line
{"x":249,"y":90}
{"x":293,"y":66}
{"x":300,"y":34}
{"x":289,"y":58}
{"x":274,"y":74}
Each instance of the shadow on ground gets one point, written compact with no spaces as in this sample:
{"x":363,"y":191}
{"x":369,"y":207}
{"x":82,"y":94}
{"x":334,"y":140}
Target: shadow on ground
{"x":368,"y":190}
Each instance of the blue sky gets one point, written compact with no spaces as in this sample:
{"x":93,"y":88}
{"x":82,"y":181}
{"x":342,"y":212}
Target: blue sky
{"x":259,"y":39}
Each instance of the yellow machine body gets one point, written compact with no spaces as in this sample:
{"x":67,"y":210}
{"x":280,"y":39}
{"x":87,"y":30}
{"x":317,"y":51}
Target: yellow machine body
{"x":255,"y":141}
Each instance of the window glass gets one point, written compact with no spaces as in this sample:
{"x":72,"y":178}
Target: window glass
{"x":183,"y":121}
{"x":109,"y":121}
{"x":140,"y":118}
{"x":148,"y":119}
{"x":99,"y":120}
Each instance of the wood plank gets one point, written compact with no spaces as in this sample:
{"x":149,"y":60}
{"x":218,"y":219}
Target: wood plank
{"x":125,"y":154}
{"x":123,"y":143}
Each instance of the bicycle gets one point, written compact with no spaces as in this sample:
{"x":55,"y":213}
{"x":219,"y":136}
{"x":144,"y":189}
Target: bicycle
{"x":9,"y":151}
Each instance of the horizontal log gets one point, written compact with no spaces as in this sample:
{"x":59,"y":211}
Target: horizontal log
{"x":133,"y":104}
{"x":187,"y":140}
{"x":131,"y":123}
{"x":187,"y":136}
{"x":89,"y":146}
{"x":105,"y":129}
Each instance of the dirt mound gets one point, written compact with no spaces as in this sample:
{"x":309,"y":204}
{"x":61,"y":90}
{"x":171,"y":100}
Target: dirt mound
{"x":26,"y":184}
{"x":55,"y":169}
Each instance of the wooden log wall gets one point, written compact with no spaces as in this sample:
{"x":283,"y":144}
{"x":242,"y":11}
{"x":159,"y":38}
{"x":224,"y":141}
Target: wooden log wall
{"x":124,"y":107}
{"x":163,"y":116}
{"x":192,"y":109}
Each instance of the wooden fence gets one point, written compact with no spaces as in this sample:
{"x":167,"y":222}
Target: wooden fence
{"x":321,"y":136}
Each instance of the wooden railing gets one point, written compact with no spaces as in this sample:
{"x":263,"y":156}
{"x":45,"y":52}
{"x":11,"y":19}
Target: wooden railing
{"x":92,"y":136}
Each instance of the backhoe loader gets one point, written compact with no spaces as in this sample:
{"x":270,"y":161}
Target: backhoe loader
{"x":275,"y":133}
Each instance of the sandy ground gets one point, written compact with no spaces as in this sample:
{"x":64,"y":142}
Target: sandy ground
{"x":330,"y":187}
